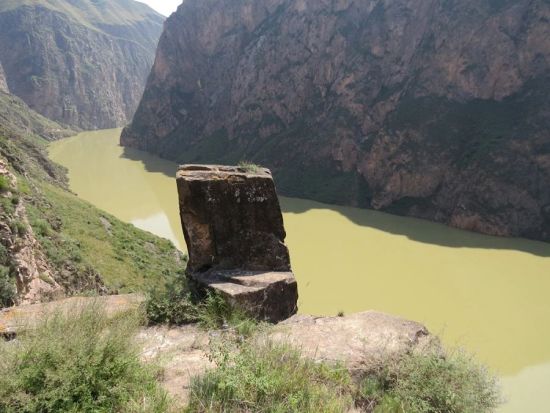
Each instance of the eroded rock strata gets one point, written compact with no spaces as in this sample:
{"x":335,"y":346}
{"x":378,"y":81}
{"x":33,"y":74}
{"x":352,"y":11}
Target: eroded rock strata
{"x":81,"y":63}
{"x":235,"y":235}
{"x":437,"y":110}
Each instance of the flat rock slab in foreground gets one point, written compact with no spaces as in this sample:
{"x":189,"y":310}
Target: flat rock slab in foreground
{"x":14,"y":319}
{"x":234,"y":230}
{"x":361,"y":342}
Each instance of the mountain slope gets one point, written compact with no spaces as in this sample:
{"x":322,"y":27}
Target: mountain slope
{"x":434,"y":109}
{"x":53,"y":244}
{"x":79,"y":62}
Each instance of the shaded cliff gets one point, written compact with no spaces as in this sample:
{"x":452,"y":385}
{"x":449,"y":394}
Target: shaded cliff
{"x":434,"y":109}
{"x":84,"y":62}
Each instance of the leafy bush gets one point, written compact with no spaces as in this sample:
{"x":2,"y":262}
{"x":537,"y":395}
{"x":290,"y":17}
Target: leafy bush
{"x":84,"y":362}
{"x":269,"y":378}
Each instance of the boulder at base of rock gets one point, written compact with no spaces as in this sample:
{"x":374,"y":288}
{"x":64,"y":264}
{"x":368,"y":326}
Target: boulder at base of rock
{"x":234,"y":230}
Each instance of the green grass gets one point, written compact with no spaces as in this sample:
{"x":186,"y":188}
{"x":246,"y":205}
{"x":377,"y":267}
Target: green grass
{"x":433,"y":384}
{"x":73,"y":235}
{"x":263,"y":377}
{"x":269,"y":378}
{"x":82,"y":363}
{"x":7,"y":287}
{"x":249,"y":167}
{"x":4,"y":183}
{"x":177,"y":305}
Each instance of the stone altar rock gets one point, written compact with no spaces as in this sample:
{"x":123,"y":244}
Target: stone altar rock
{"x":234,"y":230}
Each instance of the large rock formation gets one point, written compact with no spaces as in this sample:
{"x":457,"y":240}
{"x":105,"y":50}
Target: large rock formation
{"x":431,"y":109}
{"x":234,"y":232}
{"x":83,"y":63}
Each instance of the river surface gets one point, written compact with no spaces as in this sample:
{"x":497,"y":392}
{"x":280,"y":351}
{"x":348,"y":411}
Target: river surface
{"x":490,"y":295}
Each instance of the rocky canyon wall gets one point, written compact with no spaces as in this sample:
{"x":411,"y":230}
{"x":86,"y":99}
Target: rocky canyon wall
{"x":433,"y":109}
{"x":80,"y":63}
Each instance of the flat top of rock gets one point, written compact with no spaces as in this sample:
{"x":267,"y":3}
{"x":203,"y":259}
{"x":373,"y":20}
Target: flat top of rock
{"x":220,"y":171}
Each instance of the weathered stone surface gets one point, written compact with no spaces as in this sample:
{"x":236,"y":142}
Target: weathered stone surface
{"x":182,"y":353}
{"x":14,"y":319}
{"x":361,"y":342}
{"x":235,"y":236}
{"x":437,"y":110}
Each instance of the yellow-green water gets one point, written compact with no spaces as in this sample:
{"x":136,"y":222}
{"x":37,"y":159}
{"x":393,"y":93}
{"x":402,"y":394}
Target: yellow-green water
{"x":490,"y":295}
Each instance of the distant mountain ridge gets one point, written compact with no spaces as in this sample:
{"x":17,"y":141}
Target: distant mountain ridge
{"x":80,"y":62}
{"x":433,"y":109}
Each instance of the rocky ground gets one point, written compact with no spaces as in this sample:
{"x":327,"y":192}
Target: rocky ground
{"x":363,"y":342}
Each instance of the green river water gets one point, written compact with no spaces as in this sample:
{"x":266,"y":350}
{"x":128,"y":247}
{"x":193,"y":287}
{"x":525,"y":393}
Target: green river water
{"x":489,"y":295}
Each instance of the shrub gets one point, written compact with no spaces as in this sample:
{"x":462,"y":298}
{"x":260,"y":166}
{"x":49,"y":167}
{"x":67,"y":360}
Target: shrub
{"x":18,"y":227}
{"x":84,"y":362}
{"x":42,"y":227}
{"x":269,"y":378}
{"x":177,"y":305}
{"x":215,"y":312}
{"x":173,"y":305}
{"x":4,"y":183}
{"x":249,"y":167}
{"x":7,"y":288}
{"x":454,"y":384}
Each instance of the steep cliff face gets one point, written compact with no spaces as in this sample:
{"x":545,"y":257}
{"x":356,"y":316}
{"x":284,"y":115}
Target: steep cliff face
{"x":84,"y":62}
{"x":435,"y":109}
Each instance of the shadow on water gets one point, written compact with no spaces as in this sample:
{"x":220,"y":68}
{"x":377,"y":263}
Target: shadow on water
{"x":415,"y":229}
{"x":152,"y":163}
{"x":421,"y":230}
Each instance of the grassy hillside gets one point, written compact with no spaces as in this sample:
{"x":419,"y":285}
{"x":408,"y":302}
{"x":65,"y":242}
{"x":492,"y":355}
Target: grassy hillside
{"x":99,"y":12}
{"x":17,"y":116}
{"x":86,"y":249}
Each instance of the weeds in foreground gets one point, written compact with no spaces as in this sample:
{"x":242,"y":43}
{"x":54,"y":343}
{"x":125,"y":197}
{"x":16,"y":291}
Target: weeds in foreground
{"x":269,"y":378}
{"x":177,"y":305}
{"x":272,"y":378}
{"x":433,"y":384}
{"x":78,"y":362}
